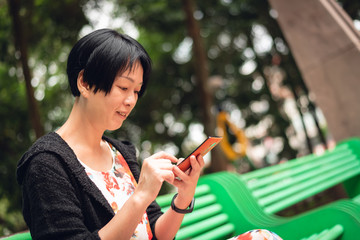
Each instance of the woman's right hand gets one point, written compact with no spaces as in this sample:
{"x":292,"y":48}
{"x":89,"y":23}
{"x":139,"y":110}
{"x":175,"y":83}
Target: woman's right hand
{"x":155,"y":170}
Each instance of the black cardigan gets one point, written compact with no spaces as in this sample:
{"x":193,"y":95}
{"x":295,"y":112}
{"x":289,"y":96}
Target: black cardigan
{"x":59,"y":199}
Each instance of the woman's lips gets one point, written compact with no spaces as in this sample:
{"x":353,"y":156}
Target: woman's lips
{"x":123,"y":114}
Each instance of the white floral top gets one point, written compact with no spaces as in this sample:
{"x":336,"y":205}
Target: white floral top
{"x":117,"y":185}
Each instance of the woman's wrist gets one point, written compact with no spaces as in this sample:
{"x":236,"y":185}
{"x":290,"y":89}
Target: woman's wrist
{"x":140,"y":198}
{"x":180,"y":202}
{"x":188,"y":209}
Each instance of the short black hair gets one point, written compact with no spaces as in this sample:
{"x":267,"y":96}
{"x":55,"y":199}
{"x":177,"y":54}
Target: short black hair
{"x":103,"y":54}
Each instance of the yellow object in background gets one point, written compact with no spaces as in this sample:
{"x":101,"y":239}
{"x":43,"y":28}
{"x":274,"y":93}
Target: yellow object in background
{"x":231,"y":152}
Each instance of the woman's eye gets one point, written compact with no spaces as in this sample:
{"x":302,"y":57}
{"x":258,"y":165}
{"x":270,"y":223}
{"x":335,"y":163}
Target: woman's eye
{"x":123,"y":88}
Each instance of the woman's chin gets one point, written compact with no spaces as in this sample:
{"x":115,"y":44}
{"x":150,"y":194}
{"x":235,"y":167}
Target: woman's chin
{"x":115,"y":127}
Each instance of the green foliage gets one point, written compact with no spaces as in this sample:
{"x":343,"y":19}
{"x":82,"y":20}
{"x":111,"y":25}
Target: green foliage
{"x":226,"y":28}
{"x":50,"y":28}
{"x":14,"y":131}
{"x":228,"y":31}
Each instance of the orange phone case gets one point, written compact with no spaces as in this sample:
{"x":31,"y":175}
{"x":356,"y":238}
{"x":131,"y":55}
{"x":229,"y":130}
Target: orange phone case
{"x":202,"y":150}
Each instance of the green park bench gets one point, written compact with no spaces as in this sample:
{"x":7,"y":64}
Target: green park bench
{"x":228,"y":204}
{"x":278,"y":187}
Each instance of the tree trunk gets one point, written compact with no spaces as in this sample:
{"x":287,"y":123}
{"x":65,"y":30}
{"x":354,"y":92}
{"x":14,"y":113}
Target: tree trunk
{"x":298,"y":107}
{"x":218,"y":162}
{"x":21,"y":46}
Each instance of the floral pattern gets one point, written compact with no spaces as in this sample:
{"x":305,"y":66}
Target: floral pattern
{"x":117,"y":185}
{"x":257,"y":234}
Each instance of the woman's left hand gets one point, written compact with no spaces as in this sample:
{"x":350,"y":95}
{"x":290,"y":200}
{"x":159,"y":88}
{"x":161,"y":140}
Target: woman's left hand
{"x":187,"y":181}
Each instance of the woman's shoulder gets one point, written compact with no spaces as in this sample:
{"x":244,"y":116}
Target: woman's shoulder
{"x":50,"y":142}
{"x":47,"y":151}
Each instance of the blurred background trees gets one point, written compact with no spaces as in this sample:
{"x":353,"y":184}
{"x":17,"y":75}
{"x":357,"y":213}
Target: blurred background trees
{"x":208,"y":56}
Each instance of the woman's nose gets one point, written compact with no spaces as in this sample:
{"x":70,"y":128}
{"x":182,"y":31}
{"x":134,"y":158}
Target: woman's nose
{"x":131,"y":99}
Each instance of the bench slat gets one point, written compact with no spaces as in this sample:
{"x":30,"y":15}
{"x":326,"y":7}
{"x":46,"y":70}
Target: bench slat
{"x":307,"y":192}
{"x":200,"y":202}
{"x":338,"y":174}
{"x":293,"y":163}
{"x":203,"y":226}
{"x":201,"y":214}
{"x":357,"y":199}
{"x":308,"y":166}
{"x":309,"y":176}
{"x":165,"y":200}
{"x":327,"y":234}
{"x":219,"y":233}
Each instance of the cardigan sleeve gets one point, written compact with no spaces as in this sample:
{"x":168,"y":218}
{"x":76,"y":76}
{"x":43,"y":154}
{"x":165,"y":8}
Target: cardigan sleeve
{"x":50,"y":205}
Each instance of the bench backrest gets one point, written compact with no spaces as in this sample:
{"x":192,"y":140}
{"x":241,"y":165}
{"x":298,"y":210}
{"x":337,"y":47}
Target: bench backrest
{"x":246,"y":214}
{"x":278,"y":187}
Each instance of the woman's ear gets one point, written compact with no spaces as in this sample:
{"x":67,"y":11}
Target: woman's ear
{"x":83,"y":86}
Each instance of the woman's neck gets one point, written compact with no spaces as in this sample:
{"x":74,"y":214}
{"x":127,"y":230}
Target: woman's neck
{"x":80,"y":130}
{"x":86,"y":140}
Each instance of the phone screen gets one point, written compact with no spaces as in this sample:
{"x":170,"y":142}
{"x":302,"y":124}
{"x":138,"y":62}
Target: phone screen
{"x":202,"y":150}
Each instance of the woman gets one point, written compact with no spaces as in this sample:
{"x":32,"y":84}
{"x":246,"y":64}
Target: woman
{"x":78,"y":183}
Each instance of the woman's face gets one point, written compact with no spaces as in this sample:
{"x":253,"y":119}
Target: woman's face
{"x":109,"y":111}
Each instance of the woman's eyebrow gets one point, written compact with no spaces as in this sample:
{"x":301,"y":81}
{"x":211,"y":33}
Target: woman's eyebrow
{"x":130,"y":79}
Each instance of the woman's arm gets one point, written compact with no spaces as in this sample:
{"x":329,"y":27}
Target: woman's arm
{"x":155,"y":170}
{"x":51,"y":206}
{"x":124,"y":223}
{"x":169,"y":223}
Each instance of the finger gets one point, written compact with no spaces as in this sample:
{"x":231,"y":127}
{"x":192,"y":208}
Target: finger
{"x":201,"y":160}
{"x":180,"y":160}
{"x":179,"y":173}
{"x":164,"y":155}
{"x":195,"y":165}
{"x":177,"y":183}
{"x":162,"y":162}
{"x":168,"y":176}
{"x":156,"y":161}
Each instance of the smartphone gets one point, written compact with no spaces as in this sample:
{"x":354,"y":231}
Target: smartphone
{"x":202,"y":150}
